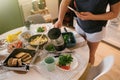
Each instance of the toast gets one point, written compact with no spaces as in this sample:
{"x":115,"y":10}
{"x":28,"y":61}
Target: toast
{"x":19,"y":62}
{"x":21,"y":54}
{"x":19,"y":59}
{"x":12,"y":62}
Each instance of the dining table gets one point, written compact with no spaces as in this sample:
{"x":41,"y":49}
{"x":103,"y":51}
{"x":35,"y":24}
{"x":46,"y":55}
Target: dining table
{"x":39,"y":71}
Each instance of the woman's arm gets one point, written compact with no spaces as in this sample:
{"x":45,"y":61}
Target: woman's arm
{"x":113,"y":13}
{"x":62,"y":11}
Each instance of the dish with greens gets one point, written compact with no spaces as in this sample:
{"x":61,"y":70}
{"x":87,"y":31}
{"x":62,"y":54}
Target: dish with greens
{"x":50,"y":48}
{"x":67,"y":62}
{"x":41,"y":29}
{"x":69,"y":39}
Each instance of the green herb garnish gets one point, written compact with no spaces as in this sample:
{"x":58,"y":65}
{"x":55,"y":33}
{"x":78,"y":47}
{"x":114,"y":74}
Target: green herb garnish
{"x":65,"y":59}
{"x":66,"y":38}
{"x":49,"y":60}
{"x":40,"y":29}
{"x":50,"y":47}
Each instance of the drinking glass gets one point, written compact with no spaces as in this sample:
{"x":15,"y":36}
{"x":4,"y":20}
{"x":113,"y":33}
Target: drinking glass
{"x":50,"y":63}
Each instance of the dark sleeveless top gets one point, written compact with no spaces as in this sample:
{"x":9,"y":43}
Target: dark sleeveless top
{"x":95,"y":7}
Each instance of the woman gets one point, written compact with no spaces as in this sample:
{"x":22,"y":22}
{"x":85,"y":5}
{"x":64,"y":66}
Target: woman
{"x":91,"y":19}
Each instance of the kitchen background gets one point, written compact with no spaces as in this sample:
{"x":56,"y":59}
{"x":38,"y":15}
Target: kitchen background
{"x":13,"y":13}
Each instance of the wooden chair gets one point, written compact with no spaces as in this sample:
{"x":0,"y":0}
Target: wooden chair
{"x":95,"y":72}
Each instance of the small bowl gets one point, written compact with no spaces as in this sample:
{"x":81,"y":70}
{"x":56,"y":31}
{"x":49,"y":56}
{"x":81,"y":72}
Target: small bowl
{"x":49,"y":48}
{"x":36,"y":40}
{"x":25,"y":35}
{"x":41,"y":29}
{"x":14,"y":45}
{"x":69,"y":39}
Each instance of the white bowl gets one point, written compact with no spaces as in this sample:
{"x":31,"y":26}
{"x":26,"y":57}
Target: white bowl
{"x":25,"y":35}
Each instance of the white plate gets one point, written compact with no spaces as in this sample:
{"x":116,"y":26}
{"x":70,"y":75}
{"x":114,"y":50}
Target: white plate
{"x":42,"y":25}
{"x":73,"y":65}
{"x":25,"y":33}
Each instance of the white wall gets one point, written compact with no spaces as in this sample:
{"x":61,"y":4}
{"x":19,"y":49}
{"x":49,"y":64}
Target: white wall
{"x":52,"y":6}
{"x":26,"y":6}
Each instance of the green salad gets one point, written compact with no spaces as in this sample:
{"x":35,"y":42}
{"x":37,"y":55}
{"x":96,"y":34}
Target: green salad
{"x":66,"y":38}
{"x":65,"y":59}
{"x":50,"y":47}
{"x":41,"y":29}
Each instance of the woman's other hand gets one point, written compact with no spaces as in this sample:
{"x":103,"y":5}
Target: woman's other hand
{"x":85,"y":15}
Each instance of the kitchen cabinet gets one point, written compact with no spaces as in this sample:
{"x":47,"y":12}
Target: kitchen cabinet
{"x":52,"y":6}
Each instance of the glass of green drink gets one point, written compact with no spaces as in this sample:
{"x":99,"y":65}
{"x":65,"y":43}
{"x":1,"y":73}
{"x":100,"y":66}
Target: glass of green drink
{"x":50,"y":63}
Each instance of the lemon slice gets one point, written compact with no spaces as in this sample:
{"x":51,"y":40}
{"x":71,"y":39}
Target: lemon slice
{"x":13,"y":37}
{"x":9,"y":38}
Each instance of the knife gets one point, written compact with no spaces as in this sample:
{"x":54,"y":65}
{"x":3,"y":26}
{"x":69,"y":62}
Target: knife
{"x":58,"y":53}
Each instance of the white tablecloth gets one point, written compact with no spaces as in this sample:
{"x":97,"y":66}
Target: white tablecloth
{"x":81,"y":54}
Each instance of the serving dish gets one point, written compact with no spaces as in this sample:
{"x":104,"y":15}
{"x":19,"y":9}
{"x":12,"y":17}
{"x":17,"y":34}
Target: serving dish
{"x":25,"y":35}
{"x":69,"y":39}
{"x":23,"y":66}
{"x":49,"y":48}
{"x":73,"y":64}
{"x":41,"y":29}
{"x":13,"y":45}
{"x":39,"y":39}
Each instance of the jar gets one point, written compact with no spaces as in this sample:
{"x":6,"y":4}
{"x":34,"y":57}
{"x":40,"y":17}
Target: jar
{"x":56,"y":38}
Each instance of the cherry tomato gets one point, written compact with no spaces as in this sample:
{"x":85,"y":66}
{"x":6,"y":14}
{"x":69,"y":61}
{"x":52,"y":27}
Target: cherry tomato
{"x":65,"y":67}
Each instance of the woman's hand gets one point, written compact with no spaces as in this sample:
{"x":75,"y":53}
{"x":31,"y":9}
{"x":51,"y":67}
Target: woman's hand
{"x":58,"y":24}
{"x":85,"y":15}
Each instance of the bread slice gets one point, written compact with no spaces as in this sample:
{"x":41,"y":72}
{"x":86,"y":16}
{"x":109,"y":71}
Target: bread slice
{"x":26,"y":59}
{"x":12,"y":62}
{"x":25,"y":56}
{"x":19,"y":55}
{"x":9,"y":62}
{"x":19,"y":62}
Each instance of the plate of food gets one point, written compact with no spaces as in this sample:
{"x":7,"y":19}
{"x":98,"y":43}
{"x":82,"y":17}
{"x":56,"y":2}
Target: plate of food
{"x":14,"y":45}
{"x":69,"y":39}
{"x":41,"y":29}
{"x":25,"y":35}
{"x":39,"y":39}
{"x":49,"y":48}
{"x":19,"y":59}
{"x":67,"y":62}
